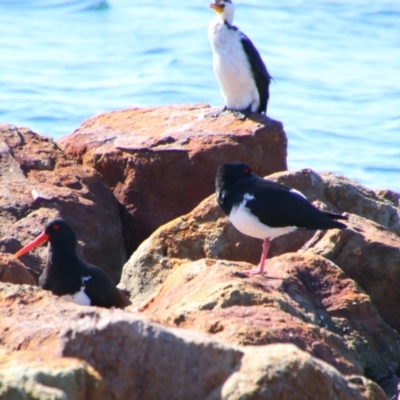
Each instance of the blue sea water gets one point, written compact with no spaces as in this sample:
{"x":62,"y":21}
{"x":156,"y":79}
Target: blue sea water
{"x":335,"y":63}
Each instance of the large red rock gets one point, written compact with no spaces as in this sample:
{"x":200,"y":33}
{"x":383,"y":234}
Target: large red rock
{"x":39,"y":183}
{"x":161,"y":162}
{"x":34,"y":375}
{"x":205,"y":232}
{"x":304,"y":299}
{"x":169,"y":286}
{"x":13,"y":271}
{"x":340,"y":194}
{"x":285,"y":377}
{"x":137,"y":359}
{"x":369,"y":254}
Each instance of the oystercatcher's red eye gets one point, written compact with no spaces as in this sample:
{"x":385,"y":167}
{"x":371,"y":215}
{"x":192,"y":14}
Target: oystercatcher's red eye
{"x":246,"y":171}
{"x":56,"y":227}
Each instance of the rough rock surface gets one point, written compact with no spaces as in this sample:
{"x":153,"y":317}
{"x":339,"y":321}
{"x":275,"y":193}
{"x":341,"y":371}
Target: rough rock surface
{"x":138,"y":360}
{"x":370,"y":255}
{"x":13,"y":271}
{"x":161,"y":162}
{"x":287,"y":377}
{"x":203,"y":233}
{"x":37,"y":183}
{"x":28,"y":376}
{"x":341,"y":194}
{"x":305,"y":300}
{"x":164,"y":281}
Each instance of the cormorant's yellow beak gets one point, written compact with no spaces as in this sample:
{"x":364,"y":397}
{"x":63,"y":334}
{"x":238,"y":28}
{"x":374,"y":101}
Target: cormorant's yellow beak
{"x":217,"y":8}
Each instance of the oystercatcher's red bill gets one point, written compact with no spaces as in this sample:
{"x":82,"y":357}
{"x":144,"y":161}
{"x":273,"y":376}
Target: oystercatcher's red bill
{"x":36,"y":242}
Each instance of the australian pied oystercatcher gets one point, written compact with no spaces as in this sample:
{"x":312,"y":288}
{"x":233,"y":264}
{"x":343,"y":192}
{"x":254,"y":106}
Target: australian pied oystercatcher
{"x":264,"y":209}
{"x":241,"y":73}
{"x":69,"y":277}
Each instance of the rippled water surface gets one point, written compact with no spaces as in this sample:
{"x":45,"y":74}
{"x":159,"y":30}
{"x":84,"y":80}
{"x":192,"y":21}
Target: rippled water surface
{"x":336,"y":69}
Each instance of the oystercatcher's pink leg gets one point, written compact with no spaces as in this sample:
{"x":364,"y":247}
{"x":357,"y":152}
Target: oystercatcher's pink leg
{"x":264,"y":254}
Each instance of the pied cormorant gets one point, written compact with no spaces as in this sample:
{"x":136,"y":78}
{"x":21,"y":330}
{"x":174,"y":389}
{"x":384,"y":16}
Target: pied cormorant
{"x":240,"y":71}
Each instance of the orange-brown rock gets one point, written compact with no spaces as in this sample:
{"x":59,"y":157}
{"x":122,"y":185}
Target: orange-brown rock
{"x":304,"y":299}
{"x":165,"y":284}
{"x":369,"y":254}
{"x":38,"y":182}
{"x":137,"y":359}
{"x":13,"y":271}
{"x":35,"y":375}
{"x":294,"y":383}
{"x":203,"y":233}
{"x":161,"y":162}
{"x":341,"y":194}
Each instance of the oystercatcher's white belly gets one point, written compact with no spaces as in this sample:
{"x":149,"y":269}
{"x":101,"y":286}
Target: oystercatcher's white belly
{"x":79,"y":297}
{"x":247,"y":223}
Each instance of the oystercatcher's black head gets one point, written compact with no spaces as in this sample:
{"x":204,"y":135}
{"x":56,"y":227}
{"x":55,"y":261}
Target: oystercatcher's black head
{"x":231,"y":173}
{"x":58,"y":233}
{"x":227,"y":176}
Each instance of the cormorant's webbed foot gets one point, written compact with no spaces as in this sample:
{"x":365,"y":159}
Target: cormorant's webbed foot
{"x":217,"y":114}
{"x":242,"y":114}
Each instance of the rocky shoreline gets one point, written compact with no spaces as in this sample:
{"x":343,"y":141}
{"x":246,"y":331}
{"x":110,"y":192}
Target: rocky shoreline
{"x":137,"y":187}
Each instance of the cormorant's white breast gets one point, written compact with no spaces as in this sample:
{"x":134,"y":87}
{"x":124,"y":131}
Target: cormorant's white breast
{"x":240,"y":71}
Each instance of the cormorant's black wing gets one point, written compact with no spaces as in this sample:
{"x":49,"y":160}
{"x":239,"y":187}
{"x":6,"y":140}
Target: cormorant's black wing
{"x":260,"y":72}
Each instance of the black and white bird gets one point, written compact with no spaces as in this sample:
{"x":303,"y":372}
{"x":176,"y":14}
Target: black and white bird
{"x":238,"y":66}
{"x":69,"y":277}
{"x":264,"y":209}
